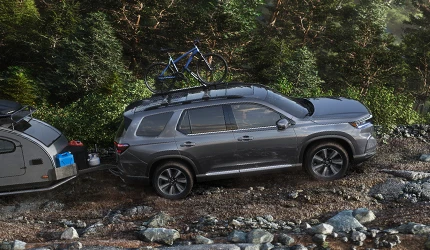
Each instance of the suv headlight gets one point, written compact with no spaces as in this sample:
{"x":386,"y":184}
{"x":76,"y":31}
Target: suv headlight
{"x":362,"y":123}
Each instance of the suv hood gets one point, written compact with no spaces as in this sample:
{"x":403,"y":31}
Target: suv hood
{"x":338,"y":110}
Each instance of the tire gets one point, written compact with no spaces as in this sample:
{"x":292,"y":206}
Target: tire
{"x":326,"y":161}
{"x":153,"y":83}
{"x":217,"y":71}
{"x":172,"y":180}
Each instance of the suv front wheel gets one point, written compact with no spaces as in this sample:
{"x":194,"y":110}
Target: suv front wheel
{"x":172,"y":180}
{"x":326,"y":161}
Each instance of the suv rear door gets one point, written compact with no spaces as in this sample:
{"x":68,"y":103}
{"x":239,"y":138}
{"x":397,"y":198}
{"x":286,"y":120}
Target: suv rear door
{"x":260,"y":145}
{"x":205,"y":137}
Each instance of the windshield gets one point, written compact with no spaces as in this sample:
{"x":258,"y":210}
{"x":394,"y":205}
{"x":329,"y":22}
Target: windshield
{"x":38,"y":130}
{"x":298,"y":107}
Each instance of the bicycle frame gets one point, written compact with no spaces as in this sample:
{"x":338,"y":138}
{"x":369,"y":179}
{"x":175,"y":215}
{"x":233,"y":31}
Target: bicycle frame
{"x":191,"y":53}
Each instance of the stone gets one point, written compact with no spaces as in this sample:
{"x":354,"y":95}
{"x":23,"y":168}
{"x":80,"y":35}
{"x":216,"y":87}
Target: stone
{"x":322,"y":228}
{"x":363,"y":215}
{"x":203,"y":240}
{"x":248,"y":246}
{"x":358,"y":236}
{"x":414,"y":228}
{"x":237,"y":236}
{"x":200,"y":247}
{"x":19,"y":245}
{"x":425,"y":157}
{"x":319,"y":238}
{"x":70,"y":234}
{"x":159,"y":220}
{"x":344,"y":222}
{"x":427,"y":244}
{"x":285,"y":239}
{"x":160,"y":235}
{"x":259,"y":236}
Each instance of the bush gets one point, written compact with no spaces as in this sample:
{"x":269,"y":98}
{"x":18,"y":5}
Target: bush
{"x":94,"y":118}
{"x":389,"y":108}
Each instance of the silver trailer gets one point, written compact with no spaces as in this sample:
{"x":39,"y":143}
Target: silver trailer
{"x":31,"y":150}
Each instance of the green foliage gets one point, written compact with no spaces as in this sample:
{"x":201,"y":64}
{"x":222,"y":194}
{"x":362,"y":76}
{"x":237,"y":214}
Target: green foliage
{"x":388,"y":107}
{"x":95,"y":117}
{"x":299,"y":76}
{"x":18,"y":86}
{"x":85,"y":62}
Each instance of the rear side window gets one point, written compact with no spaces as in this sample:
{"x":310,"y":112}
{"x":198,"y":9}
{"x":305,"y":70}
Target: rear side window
{"x":6,"y":146}
{"x":202,"y":120}
{"x":153,"y":125}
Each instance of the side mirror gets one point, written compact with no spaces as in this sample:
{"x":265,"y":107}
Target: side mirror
{"x":282,"y":124}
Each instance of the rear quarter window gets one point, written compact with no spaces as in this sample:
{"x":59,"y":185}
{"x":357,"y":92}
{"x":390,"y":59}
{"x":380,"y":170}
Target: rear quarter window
{"x":153,"y":125}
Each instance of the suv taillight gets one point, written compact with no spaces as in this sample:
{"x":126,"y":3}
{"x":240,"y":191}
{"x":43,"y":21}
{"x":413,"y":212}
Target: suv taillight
{"x":121,"y":147}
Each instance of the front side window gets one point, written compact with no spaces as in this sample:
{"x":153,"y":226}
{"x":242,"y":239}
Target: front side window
{"x":6,"y":146}
{"x":153,"y":125}
{"x":202,"y":120}
{"x":249,"y":115}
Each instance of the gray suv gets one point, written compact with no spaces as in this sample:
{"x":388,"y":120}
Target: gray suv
{"x":175,"y":139}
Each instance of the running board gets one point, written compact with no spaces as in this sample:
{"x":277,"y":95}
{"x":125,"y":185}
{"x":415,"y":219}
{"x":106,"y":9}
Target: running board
{"x":38,"y":189}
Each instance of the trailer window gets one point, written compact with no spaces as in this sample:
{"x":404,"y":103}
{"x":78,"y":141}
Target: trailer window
{"x":6,"y":146}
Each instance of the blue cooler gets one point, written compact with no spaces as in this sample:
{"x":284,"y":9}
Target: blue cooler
{"x":64,"y":159}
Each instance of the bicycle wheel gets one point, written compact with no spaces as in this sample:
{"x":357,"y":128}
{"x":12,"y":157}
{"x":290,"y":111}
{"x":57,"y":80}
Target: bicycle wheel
{"x":159,"y":77}
{"x":214,"y":71}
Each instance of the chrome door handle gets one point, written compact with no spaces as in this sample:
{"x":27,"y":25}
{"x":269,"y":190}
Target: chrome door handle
{"x":188,"y":144}
{"x":245,"y":138}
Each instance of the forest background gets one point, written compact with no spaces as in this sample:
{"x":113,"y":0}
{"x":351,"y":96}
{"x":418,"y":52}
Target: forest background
{"x":80,"y":62}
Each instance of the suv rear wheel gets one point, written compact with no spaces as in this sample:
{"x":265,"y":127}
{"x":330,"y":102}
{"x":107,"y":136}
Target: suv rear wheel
{"x":172,"y":180}
{"x":326,"y":161}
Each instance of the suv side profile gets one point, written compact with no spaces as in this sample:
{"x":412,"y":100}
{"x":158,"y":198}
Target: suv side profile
{"x":173,"y":140}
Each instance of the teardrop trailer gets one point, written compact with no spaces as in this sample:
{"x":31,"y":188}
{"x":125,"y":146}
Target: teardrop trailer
{"x":35,"y":156}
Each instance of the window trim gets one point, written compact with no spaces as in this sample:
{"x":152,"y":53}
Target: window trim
{"x":227,"y":120}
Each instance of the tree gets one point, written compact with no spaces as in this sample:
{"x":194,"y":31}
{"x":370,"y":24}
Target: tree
{"x":86,"y":61}
{"x":416,"y":42}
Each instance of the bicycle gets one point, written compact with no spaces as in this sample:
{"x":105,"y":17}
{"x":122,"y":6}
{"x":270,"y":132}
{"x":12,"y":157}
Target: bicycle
{"x":161,"y":77}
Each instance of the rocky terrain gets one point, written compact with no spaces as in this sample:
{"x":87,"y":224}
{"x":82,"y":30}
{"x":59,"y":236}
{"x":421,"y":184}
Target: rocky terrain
{"x":382,"y":203}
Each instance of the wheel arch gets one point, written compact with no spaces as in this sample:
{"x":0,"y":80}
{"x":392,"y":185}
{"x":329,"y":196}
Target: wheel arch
{"x":340,"y":139}
{"x":178,"y":158}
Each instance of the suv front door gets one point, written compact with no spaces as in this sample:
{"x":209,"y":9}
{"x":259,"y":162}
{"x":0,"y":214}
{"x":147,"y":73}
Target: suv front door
{"x":260,"y":145}
{"x":204,"y":137}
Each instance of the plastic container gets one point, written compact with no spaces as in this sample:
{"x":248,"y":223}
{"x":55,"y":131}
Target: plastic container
{"x":93,"y":160}
{"x":64,"y":159}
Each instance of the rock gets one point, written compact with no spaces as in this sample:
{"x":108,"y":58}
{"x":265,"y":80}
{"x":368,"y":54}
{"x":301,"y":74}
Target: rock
{"x":201,"y":247}
{"x":389,"y":241}
{"x":285,"y":239}
{"x":70,"y":234}
{"x":160,"y":235}
{"x":344,"y":222}
{"x":414,"y":228}
{"x":409,"y":175}
{"x":388,"y":190}
{"x":203,"y":240}
{"x":92,"y":229}
{"x":237,"y":223}
{"x":319,"y":238}
{"x":322,"y":228}
{"x":248,"y":246}
{"x":425,"y":158}
{"x":259,"y":236}
{"x":5,"y":246}
{"x":267,"y":246}
{"x":18,"y":245}
{"x":358,"y":236}
{"x":237,"y":236}
{"x":160,"y":220}
{"x":138,"y":210}
{"x":363,"y":215}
